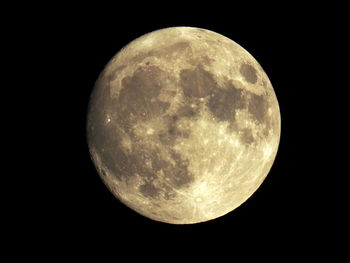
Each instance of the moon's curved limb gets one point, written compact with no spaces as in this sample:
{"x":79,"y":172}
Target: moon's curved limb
{"x":183,"y":125}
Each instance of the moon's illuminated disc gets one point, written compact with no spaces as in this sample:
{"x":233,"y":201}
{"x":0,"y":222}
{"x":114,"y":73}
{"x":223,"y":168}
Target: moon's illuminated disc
{"x":183,"y":125}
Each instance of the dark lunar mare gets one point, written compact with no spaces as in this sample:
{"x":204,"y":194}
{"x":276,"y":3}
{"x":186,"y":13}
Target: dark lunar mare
{"x":197,"y":83}
{"x":138,"y":97}
{"x":137,"y":102}
{"x":249,"y":73}
{"x":224,"y":101}
{"x":177,"y":176}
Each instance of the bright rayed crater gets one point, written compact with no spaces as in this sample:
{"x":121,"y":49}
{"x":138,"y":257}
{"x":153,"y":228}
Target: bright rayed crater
{"x":183,"y":125}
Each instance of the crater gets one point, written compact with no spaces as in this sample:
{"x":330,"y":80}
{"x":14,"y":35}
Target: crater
{"x":197,"y":82}
{"x":249,"y":73}
{"x":103,"y":172}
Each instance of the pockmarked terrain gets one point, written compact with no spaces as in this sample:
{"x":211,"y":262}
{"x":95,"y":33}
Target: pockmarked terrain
{"x":183,"y":125}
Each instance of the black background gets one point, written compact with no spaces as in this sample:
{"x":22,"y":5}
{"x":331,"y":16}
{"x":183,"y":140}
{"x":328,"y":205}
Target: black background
{"x":73,"y":212}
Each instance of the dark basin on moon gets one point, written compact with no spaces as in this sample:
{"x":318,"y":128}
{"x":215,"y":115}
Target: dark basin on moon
{"x":176,"y":132}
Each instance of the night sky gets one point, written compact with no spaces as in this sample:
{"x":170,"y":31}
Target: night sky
{"x":73,"y":208}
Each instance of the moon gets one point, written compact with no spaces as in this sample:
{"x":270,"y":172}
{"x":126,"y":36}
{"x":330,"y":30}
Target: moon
{"x":183,"y":125}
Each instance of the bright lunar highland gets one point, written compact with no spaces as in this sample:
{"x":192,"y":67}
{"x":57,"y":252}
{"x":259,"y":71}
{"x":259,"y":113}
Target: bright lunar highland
{"x":183,"y":125}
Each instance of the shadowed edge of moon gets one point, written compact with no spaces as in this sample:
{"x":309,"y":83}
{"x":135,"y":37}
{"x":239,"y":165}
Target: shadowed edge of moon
{"x":137,"y":102}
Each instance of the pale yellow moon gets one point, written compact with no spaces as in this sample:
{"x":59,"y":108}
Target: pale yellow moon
{"x":183,"y":125}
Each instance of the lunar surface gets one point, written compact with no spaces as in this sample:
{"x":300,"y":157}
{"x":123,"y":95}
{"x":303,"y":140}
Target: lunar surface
{"x":183,"y":125}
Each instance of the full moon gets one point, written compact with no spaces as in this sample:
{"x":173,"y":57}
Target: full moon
{"x":183,"y":125}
